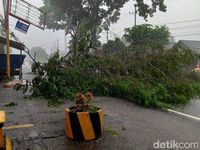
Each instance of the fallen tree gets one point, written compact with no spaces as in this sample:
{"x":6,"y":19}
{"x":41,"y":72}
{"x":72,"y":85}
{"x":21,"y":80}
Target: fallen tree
{"x":147,"y":75}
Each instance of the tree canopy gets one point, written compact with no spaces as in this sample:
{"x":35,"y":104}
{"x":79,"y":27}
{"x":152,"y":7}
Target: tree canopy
{"x":114,"y":45}
{"x":62,"y":13}
{"x":40,"y":54}
{"x":147,"y":36}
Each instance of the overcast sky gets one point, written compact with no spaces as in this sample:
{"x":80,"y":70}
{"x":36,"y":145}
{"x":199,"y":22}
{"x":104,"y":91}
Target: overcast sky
{"x":186,"y":11}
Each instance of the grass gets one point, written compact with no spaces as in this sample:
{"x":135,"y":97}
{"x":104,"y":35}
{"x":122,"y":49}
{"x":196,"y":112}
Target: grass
{"x":112,"y":132}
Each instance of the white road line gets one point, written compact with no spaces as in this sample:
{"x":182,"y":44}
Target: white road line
{"x":182,"y":114}
{"x":18,"y":126}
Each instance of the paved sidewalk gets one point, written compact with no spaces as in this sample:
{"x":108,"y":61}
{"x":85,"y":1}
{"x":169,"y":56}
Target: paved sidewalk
{"x":126,"y":126}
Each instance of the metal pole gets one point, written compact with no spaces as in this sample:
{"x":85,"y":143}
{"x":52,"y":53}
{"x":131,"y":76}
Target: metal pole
{"x":135,"y":14}
{"x":7,"y":39}
{"x":20,"y":71}
{"x":107,"y":35}
{"x":4,"y":8}
{"x":58,"y":45}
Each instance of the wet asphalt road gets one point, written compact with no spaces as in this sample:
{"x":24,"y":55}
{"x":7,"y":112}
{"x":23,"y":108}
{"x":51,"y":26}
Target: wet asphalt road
{"x":192,"y":108}
{"x":125,"y":125}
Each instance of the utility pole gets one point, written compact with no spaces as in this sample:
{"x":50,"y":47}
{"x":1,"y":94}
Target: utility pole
{"x":51,"y":52}
{"x":7,"y":39}
{"x":58,"y":44}
{"x":135,"y":14}
{"x":20,"y":72}
{"x":107,"y":35}
{"x":65,"y":44}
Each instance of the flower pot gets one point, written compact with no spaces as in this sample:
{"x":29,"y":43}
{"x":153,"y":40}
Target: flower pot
{"x":83,"y":126}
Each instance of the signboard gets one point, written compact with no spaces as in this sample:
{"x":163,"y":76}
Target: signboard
{"x":28,"y":13}
{"x":20,"y":26}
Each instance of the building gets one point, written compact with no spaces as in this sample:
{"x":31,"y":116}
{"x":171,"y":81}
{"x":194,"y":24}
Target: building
{"x":2,"y":46}
{"x":16,"y":60}
{"x":194,"y":46}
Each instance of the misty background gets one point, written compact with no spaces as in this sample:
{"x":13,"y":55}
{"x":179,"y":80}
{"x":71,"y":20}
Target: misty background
{"x":182,"y":18}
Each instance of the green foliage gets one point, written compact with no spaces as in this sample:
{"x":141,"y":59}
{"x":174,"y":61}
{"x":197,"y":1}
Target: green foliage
{"x":81,"y":39}
{"x":160,"y":84}
{"x":35,"y":66}
{"x":61,"y":12}
{"x":11,"y":104}
{"x":68,"y":14}
{"x":146,"y":36}
{"x":145,"y":10}
{"x":152,"y":78}
{"x":23,"y":88}
{"x":112,"y":132}
{"x":114,"y":46}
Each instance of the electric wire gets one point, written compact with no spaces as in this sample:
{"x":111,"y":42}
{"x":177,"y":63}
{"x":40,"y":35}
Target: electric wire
{"x":192,"y":34}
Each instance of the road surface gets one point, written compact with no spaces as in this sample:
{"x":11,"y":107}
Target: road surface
{"x":125,"y":125}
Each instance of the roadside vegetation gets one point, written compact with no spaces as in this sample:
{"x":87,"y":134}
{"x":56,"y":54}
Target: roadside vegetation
{"x":144,"y":72}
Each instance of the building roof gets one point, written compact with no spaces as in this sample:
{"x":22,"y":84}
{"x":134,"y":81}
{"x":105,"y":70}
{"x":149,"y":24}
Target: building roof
{"x":193,"y":45}
{"x":169,"y":46}
{"x":13,"y":44}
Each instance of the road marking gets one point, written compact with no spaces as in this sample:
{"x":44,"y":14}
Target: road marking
{"x":182,"y":114}
{"x":18,"y":126}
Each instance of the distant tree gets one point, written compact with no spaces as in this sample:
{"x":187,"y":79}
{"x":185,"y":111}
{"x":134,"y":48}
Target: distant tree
{"x":114,"y":46}
{"x":40,"y":54}
{"x":147,"y":36}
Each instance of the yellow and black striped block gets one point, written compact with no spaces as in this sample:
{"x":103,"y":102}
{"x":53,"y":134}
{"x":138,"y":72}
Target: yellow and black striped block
{"x":82,"y":126}
{"x":8,"y":145}
{"x":2,"y":121}
{"x":5,"y":142}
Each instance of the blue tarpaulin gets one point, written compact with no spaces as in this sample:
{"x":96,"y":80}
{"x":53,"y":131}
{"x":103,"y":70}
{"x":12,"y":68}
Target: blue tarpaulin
{"x":16,"y":61}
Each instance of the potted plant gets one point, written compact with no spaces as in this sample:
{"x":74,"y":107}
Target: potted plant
{"x":83,"y":120}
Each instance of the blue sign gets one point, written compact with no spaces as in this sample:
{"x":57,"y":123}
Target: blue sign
{"x":20,"y":26}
